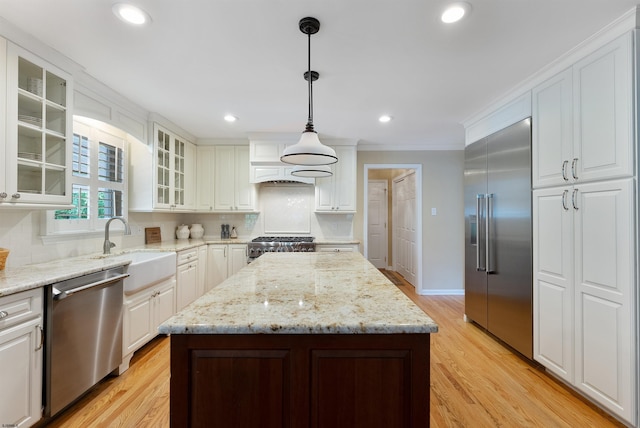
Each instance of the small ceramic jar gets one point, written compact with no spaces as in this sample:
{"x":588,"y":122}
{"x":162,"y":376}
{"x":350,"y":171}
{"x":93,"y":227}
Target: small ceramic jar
{"x":182,"y":232}
{"x":197,"y":231}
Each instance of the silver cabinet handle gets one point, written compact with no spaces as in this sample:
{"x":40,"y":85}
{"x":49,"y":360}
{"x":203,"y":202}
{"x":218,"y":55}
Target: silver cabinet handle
{"x":574,"y":164}
{"x":488,"y":232}
{"x":16,"y":196}
{"x":3,"y":314}
{"x":573,"y":199}
{"x":3,"y":195}
{"x":564,"y":200}
{"x":225,"y":251}
{"x":39,"y":327}
{"x":564,"y":170}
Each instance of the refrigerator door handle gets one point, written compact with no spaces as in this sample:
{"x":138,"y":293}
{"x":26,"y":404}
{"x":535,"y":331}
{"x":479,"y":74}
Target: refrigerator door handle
{"x":479,"y":197}
{"x":489,"y":206}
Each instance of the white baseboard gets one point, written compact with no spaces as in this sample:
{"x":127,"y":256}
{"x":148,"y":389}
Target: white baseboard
{"x":443,"y":292}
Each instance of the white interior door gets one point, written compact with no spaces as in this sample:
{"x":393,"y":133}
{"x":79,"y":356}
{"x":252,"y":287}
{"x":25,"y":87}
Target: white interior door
{"x":404,"y":226}
{"x":377,"y":219}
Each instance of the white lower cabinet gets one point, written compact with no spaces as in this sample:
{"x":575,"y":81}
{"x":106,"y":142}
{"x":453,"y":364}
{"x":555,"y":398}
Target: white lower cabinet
{"x":224,"y":260}
{"x":584,"y":271}
{"x":187,"y":277}
{"x":144,"y":311}
{"x":21,"y":353}
{"x":339,"y":248}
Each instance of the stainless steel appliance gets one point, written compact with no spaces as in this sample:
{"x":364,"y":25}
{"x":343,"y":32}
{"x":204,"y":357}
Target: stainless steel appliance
{"x":498,"y":237}
{"x":84,"y":332}
{"x":279,"y":244}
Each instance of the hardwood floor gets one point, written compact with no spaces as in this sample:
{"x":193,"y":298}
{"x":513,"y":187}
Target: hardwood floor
{"x":475,"y":382}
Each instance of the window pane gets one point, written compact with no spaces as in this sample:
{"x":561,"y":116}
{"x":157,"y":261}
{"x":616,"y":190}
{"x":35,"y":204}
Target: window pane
{"x":109,"y":203}
{"x":110,"y":163}
{"x":80,"y":167}
{"x":80,"y":200}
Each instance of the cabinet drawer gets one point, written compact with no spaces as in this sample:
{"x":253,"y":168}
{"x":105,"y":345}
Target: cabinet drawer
{"x":20,"y":307}
{"x":187,"y":256}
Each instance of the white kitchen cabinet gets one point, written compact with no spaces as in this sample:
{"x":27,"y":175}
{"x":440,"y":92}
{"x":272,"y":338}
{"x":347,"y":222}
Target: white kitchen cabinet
{"x":187,"y":277}
{"x":143,"y":313}
{"x":172,"y":164}
{"x":202,"y":270}
{"x":224,"y":260}
{"x":205,"y":178}
{"x":232,"y":188}
{"x":337,"y":194}
{"x":584,"y":273}
{"x":336,"y":248}
{"x":582,"y":119}
{"x":21,"y":356}
{"x":37,"y":152}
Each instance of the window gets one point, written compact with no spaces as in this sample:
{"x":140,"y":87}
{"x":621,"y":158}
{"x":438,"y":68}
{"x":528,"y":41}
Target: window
{"x":98,"y":180}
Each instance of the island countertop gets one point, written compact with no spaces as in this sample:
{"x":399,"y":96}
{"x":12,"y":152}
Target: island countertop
{"x":303,"y":293}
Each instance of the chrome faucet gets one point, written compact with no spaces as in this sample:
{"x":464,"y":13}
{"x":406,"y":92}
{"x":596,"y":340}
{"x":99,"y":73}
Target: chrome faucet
{"x":108,"y":245}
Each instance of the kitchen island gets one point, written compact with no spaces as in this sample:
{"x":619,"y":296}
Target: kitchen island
{"x":301,"y":340}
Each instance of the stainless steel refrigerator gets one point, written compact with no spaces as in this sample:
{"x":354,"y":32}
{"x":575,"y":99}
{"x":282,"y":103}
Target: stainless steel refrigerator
{"x":498,"y":247}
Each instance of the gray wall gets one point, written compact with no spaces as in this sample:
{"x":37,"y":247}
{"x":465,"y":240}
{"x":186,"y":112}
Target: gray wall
{"x":443,"y":234}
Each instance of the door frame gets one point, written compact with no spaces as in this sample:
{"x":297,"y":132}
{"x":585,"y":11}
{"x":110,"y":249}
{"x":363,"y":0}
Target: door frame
{"x":418,"y":170}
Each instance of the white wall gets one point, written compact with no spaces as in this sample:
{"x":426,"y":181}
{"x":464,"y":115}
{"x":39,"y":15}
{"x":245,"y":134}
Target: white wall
{"x":443,"y":234}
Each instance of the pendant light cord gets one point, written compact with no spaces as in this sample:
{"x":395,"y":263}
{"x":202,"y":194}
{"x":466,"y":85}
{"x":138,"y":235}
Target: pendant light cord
{"x":309,"y":127}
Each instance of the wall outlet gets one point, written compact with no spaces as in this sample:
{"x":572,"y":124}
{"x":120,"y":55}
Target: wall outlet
{"x":434,"y":211}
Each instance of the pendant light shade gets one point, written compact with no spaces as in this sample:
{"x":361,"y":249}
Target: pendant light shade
{"x":312,"y":171}
{"x":309,"y":150}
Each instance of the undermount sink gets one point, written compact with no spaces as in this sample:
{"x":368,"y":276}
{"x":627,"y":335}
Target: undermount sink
{"x":148,"y":268}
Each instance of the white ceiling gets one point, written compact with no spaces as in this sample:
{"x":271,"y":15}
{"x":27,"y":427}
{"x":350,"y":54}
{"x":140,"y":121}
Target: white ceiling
{"x":202,"y":59}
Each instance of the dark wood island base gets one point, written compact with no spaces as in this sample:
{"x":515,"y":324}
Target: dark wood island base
{"x":289,"y":380}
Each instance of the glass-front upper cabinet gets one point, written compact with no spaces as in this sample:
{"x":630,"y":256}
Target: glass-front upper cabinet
{"x":38,"y":146}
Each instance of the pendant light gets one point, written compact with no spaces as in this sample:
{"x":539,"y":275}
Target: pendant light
{"x":309,"y":150}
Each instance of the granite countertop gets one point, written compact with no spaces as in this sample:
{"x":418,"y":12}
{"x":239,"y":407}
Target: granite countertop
{"x":16,"y":279}
{"x":303,"y":293}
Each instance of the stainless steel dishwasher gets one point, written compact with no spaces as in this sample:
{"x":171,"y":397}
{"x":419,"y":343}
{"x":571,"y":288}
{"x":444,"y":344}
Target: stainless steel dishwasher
{"x":84,"y":332}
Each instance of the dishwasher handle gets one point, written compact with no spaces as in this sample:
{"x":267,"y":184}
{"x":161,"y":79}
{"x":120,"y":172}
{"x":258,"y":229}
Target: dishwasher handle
{"x":59,"y":295}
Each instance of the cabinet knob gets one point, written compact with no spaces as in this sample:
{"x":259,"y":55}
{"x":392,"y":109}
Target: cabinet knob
{"x":3,"y":314}
{"x":16,"y":196}
{"x":3,"y":195}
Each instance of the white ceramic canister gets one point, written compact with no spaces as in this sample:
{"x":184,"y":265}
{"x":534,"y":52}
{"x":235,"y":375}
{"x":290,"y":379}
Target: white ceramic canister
{"x":182,"y":232}
{"x":197,"y":231}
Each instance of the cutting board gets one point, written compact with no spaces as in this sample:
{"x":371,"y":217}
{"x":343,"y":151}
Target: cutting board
{"x":152,"y":235}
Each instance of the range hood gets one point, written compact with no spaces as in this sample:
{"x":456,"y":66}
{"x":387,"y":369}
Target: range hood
{"x":264,"y":158}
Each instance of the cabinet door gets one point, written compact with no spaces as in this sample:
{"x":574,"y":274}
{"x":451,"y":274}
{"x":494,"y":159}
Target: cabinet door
{"x":217,"y":265}
{"x":39,"y":127}
{"x":224,"y":173}
{"x":324,"y":192}
{"x":238,"y":258}
{"x":603,"y":105}
{"x":204,"y":183}
{"x":244,"y":189}
{"x":604,"y":277}
{"x":202,"y":270}
{"x":552,"y":131}
{"x":345,"y":179}
{"x":187,"y":284}
{"x":21,"y":374}
{"x":553,"y":290}
{"x":138,"y":322}
{"x":164,"y":305}
{"x":163,"y":170}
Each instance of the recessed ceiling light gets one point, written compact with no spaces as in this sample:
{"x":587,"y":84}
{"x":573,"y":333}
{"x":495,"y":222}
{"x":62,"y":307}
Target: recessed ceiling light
{"x":384,"y":118}
{"x":131,"y":14}
{"x":230,"y":118}
{"x":455,"y":12}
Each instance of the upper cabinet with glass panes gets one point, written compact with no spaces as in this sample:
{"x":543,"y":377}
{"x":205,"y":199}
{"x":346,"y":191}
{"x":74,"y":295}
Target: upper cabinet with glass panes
{"x":173,"y":169}
{"x":38,"y":144}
